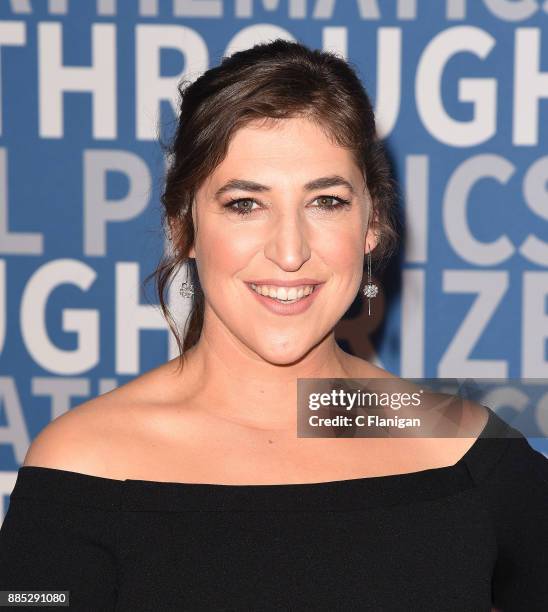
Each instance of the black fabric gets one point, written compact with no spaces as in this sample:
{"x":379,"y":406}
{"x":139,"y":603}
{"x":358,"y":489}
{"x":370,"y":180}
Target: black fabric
{"x":461,"y":538}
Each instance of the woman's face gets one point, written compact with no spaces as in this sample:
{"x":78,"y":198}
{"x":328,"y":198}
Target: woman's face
{"x":288,"y":231}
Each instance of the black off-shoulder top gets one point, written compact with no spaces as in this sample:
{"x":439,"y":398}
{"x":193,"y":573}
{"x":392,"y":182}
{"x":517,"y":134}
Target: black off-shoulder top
{"x":461,"y":538}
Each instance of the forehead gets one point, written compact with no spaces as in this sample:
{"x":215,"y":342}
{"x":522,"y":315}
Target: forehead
{"x":288,"y":151}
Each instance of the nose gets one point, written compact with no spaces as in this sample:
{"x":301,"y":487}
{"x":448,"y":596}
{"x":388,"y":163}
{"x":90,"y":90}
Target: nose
{"x":288,"y":245}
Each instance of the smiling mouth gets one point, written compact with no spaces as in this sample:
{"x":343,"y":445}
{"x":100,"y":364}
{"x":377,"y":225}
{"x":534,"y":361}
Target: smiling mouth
{"x":284,"y":295}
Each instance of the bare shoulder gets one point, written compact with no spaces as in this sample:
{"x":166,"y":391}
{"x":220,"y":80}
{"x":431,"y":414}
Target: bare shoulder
{"x":461,"y":420}
{"x":109,"y":435}
{"x":78,"y":440}
{"x":468,"y":414}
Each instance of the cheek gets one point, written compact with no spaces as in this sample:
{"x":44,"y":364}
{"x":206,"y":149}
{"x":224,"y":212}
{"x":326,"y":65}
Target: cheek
{"x":226,"y":248}
{"x":342,"y":247}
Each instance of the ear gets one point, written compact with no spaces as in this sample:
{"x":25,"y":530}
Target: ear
{"x":371,"y":242}
{"x":372,"y":236}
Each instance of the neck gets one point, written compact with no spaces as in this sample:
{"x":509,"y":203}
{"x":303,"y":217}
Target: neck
{"x":236,"y":384}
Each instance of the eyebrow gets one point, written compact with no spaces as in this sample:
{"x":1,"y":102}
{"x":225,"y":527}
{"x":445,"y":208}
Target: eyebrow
{"x":319,"y":183}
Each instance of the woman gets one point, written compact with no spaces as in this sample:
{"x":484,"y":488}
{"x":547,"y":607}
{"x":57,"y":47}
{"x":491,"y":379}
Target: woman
{"x":188,"y":488}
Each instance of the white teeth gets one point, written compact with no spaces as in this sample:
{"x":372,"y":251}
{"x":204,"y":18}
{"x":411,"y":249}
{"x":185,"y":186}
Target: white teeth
{"x":284,"y":294}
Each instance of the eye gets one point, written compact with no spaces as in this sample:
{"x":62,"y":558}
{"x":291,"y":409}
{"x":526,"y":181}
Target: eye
{"x":339,"y":203}
{"x":231,"y":205}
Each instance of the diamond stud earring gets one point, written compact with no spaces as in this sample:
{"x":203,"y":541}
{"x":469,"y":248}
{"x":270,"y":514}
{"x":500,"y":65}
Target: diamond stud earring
{"x":187,"y":289}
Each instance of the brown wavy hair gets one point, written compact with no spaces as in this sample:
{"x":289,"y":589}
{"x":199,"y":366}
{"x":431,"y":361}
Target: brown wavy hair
{"x":274,"y":80}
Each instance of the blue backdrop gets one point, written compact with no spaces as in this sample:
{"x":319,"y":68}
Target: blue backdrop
{"x":460,"y":90}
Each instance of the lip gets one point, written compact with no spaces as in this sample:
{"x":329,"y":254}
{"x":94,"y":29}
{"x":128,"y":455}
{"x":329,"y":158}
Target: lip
{"x":288,"y":283}
{"x":287,"y":309}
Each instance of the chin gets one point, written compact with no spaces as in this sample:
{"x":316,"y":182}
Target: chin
{"x":284,"y":354}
